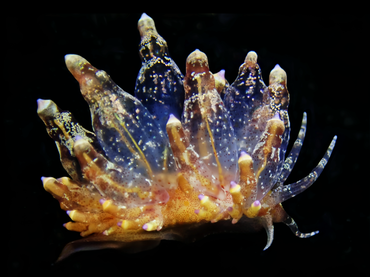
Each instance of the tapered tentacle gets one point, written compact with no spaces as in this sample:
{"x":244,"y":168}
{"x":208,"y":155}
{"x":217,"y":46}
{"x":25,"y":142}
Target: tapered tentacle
{"x":63,"y":129}
{"x":88,"y":223}
{"x":278,"y":102}
{"x":283,"y":193}
{"x":81,"y":205}
{"x":125,"y":129}
{"x":159,"y":84}
{"x":247,"y":179}
{"x":269,"y":153}
{"x":266,"y":156}
{"x":71,"y":195}
{"x":244,"y":100}
{"x":123,"y":186}
{"x":206,"y":121}
{"x":294,"y":228}
{"x":188,"y":161}
{"x":294,"y":153}
{"x":260,"y":117}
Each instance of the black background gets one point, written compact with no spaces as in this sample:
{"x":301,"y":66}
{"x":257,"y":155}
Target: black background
{"x":324,"y":60}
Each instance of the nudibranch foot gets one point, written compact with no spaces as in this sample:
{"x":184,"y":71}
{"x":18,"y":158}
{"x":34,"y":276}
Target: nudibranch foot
{"x":135,"y":242}
{"x":187,"y":156}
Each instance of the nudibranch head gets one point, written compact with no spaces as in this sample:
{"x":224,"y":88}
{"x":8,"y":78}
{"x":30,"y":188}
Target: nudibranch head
{"x":187,"y":155}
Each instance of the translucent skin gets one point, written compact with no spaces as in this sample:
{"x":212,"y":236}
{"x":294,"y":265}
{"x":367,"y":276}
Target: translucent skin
{"x":187,"y":156}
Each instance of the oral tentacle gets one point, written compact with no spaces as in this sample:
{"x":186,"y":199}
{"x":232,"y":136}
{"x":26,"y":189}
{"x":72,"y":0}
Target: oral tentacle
{"x":283,"y":193}
{"x":294,"y":153}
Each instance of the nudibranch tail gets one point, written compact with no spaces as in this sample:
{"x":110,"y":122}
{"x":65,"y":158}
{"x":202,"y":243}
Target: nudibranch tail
{"x":187,"y":156}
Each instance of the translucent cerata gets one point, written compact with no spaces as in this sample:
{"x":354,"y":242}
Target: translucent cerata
{"x":187,"y":156}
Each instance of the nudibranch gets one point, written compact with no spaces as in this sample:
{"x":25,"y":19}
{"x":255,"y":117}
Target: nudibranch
{"x":187,"y":155}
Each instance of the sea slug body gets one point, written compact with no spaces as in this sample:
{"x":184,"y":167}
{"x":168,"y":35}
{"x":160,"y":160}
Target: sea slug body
{"x":187,"y":155}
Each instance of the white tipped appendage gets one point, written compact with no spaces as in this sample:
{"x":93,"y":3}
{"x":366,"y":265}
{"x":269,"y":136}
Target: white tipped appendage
{"x":144,"y":16}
